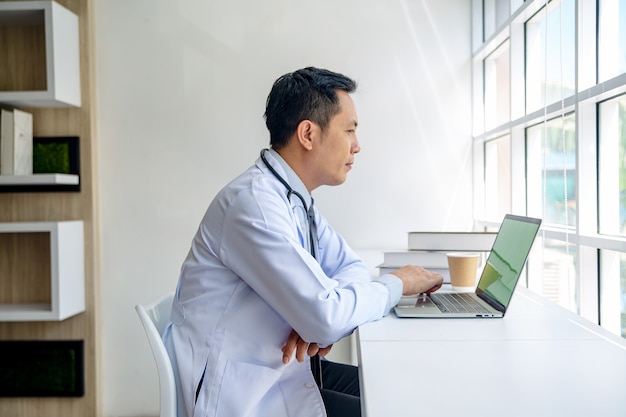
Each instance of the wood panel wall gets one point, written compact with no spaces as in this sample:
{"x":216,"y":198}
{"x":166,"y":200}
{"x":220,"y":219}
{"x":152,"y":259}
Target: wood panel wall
{"x":57,"y":206}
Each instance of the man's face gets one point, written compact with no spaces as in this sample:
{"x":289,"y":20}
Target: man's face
{"x":338,"y":144}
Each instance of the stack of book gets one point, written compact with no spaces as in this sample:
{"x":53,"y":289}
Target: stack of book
{"x":16,"y":142}
{"x":429,"y":250}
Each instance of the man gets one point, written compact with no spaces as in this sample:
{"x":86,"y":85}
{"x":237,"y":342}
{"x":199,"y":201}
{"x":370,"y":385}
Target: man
{"x":264,"y":280}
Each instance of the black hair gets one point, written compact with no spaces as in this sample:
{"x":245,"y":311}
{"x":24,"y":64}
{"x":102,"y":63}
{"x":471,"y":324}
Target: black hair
{"x":306,"y":94}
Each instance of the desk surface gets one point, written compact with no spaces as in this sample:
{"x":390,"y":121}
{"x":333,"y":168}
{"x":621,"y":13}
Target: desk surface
{"x":539,"y":360}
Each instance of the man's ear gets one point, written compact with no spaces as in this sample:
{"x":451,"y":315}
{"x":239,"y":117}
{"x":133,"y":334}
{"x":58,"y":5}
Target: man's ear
{"x":307,"y":133}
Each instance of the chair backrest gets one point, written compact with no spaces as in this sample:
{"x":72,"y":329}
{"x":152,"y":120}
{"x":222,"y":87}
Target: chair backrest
{"x":155,"y":318}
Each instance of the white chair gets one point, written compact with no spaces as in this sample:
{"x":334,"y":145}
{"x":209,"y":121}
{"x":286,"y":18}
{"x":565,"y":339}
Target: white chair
{"x":155,"y":318}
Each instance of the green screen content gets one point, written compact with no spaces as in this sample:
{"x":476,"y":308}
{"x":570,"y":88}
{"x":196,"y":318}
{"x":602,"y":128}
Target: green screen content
{"x":506,"y":260}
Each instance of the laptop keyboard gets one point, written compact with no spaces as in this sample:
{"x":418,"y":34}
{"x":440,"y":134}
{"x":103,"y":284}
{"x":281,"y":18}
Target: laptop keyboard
{"x":458,"y":303}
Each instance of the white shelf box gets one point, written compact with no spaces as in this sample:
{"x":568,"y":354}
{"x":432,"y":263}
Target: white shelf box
{"x":67,"y":272}
{"x":59,"y":84}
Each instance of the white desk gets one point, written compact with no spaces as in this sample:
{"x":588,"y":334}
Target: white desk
{"x":539,"y":360}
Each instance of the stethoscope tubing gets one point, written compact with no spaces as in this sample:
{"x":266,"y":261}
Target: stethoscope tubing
{"x":283,"y":181}
{"x":291,"y":191}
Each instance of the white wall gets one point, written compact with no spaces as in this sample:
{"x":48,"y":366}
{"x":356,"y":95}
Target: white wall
{"x":181,"y":93}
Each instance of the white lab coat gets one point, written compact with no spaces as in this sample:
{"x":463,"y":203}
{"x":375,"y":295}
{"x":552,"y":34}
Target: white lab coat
{"x":247,"y":281}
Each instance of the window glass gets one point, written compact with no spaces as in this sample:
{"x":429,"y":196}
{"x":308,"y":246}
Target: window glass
{"x":613,"y":296}
{"x":552,"y":271}
{"x":498,"y":178}
{"x":612,"y":166}
{"x":550,"y":55}
{"x":611,"y":38}
{"x":551,"y":171}
{"x":495,"y":13}
{"x":497,"y":91}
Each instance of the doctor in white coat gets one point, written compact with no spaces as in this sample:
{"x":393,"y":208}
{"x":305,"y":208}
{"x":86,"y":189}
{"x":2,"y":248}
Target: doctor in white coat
{"x":265,"y":285}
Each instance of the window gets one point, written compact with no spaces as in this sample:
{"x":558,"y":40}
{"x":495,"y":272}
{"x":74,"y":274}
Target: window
{"x":495,"y":14}
{"x":550,"y":142}
{"x":550,"y":42}
{"x":551,"y":171}
{"x":613,"y":316}
{"x":552,"y":271}
{"x":497,"y":98}
{"x":612,"y":166}
{"x":497,"y":178}
{"x":611,"y":38}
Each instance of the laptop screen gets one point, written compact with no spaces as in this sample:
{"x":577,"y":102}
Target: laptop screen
{"x":506,"y":259}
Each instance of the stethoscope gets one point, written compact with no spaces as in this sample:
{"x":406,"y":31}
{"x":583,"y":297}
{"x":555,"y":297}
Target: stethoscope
{"x":290,"y":192}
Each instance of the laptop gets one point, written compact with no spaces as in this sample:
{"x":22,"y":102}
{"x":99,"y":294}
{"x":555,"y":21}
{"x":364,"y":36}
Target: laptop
{"x":498,"y":279}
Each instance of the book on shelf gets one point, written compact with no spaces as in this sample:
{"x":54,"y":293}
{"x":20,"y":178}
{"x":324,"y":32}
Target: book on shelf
{"x":451,"y":241}
{"x":426,"y":259}
{"x":16,"y":142}
{"x":386,"y":269}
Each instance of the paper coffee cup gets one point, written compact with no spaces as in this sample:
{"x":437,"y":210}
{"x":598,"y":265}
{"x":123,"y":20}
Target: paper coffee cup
{"x":463,"y":266}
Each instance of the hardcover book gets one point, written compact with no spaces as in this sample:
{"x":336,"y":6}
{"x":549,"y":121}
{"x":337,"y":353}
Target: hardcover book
{"x":426,"y":259}
{"x":451,"y":241}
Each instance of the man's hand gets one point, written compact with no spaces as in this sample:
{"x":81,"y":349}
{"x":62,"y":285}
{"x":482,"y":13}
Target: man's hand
{"x":417,"y":280}
{"x":301,"y":347}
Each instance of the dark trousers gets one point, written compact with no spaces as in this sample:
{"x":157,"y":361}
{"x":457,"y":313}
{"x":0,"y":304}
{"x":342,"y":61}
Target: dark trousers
{"x":340,"y":390}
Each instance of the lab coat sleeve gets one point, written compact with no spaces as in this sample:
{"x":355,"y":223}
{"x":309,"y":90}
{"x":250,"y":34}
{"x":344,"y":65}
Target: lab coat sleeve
{"x":341,"y":263}
{"x":261,"y":245}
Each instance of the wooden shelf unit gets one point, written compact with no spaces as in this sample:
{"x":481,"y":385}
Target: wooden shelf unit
{"x":59,"y":90}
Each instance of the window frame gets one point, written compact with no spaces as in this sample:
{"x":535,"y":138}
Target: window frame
{"x":583,"y":103}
